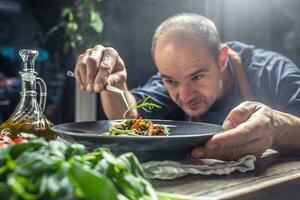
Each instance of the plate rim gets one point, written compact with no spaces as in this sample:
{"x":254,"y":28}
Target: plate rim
{"x":72,"y":133}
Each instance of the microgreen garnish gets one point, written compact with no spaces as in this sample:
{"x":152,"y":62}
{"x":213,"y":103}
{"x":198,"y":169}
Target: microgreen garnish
{"x":144,"y":104}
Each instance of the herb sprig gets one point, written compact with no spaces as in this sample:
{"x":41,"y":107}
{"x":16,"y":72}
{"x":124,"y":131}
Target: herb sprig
{"x":144,"y":104}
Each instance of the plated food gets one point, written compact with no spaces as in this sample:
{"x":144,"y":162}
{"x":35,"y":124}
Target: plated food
{"x":137,"y":127}
{"x":148,"y":139}
{"x":183,"y":136}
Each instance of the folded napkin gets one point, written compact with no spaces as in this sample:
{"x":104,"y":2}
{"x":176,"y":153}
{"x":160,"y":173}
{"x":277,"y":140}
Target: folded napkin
{"x":174,"y":169}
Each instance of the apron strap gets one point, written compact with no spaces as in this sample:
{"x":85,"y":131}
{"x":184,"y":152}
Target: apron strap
{"x":241,"y":75}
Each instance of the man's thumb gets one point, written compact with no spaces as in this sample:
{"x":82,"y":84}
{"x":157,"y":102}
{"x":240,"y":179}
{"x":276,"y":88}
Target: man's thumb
{"x":237,"y":116}
{"x":227,"y":124}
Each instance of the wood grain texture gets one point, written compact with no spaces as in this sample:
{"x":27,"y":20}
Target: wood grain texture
{"x":275,"y":177}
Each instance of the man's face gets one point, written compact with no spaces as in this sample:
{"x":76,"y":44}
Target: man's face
{"x":189,"y":72}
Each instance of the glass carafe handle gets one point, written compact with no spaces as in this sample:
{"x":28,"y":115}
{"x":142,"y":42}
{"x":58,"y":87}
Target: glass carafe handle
{"x":43,"y":92}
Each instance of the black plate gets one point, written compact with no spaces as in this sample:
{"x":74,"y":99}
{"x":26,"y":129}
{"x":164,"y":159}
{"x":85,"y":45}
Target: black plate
{"x":183,"y":137}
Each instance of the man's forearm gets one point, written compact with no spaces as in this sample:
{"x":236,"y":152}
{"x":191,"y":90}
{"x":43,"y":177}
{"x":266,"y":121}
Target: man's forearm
{"x":288,"y":130}
{"x":114,"y":105}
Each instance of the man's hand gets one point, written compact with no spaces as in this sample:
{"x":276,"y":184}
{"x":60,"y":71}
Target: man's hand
{"x":248,"y":129}
{"x":99,"y":66}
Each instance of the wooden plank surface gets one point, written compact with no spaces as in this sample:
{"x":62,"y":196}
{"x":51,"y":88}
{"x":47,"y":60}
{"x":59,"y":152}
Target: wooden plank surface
{"x":273,"y":175}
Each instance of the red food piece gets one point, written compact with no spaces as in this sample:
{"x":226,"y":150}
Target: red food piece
{"x":19,"y":140}
{"x":136,"y":124}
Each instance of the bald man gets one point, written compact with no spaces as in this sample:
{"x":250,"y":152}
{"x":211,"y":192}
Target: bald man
{"x":232,"y":84}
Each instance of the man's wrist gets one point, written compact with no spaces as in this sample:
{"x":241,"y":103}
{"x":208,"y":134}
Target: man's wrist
{"x":281,"y":122}
{"x":285,"y":127}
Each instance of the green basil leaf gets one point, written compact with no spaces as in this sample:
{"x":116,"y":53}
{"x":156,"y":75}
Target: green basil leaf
{"x":94,"y":185}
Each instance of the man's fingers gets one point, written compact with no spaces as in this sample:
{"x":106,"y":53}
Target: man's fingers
{"x":117,"y":78}
{"x":94,"y":67}
{"x":259,"y":124}
{"x":242,"y":134}
{"x":238,"y":115}
{"x":80,"y":70}
{"x":255,"y":147}
{"x":93,"y":62}
{"x":112,"y":79}
{"x":97,"y":53}
{"x":79,"y":80}
{"x":108,"y":61}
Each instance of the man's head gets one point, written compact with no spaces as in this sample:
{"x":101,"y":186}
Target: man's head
{"x":188,"y":54}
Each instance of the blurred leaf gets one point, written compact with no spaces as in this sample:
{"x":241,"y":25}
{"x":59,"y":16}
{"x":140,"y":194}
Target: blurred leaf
{"x":95,"y":21}
{"x":75,"y":149}
{"x":130,"y":186}
{"x":132,"y":164}
{"x":72,"y":26}
{"x":16,"y":184}
{"x":4,"y":191}
{"x":67,"y":13}
{"x":16,"y":150}
{"x":55,"y":28}
{"x":98,"y":187}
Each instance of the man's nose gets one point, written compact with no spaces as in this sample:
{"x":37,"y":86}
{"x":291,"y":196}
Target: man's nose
{"x":186,"y":93}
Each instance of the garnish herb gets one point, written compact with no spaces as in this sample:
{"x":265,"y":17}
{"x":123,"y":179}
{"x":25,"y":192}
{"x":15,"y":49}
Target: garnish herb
{"x":144,"y":104}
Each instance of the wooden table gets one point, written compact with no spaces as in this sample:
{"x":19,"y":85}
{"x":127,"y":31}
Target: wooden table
{"x":275,"y":177}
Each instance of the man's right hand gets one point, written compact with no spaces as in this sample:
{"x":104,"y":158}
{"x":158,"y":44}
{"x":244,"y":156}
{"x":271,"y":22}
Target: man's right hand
{"x":100,"y":66}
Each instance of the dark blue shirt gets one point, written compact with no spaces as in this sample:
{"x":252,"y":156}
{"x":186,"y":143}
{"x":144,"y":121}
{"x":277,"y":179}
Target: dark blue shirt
{"x":273,"y":78}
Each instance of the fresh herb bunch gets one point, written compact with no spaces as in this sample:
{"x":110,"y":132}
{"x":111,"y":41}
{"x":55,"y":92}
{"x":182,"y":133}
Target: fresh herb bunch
{"x":54,"y":170}
{"x":42,"y":170}
{"x":144,"y":104}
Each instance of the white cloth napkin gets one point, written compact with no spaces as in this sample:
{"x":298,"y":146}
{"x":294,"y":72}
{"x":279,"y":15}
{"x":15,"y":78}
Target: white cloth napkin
{"x":174,"y":169}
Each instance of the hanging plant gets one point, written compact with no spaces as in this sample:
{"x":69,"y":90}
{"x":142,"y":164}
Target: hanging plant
{"x":82,"y":25}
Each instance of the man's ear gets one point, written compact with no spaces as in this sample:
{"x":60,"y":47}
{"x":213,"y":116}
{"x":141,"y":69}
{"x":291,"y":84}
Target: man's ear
{"x":223,"y":57}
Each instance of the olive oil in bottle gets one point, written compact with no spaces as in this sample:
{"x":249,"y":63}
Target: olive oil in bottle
{"x":28,"y":117}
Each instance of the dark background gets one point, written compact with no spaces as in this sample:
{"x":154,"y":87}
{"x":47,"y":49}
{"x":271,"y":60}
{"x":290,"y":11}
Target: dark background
{"x":128,"y":27}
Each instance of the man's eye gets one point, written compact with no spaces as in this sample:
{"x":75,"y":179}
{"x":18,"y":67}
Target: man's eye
{"x":198,"y":77}
{"x":169,"y":82}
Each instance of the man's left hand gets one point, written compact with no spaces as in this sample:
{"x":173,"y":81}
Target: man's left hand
{"x":248,"y":129}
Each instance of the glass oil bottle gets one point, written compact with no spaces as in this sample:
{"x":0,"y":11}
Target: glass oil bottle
{"x":28,"y":117}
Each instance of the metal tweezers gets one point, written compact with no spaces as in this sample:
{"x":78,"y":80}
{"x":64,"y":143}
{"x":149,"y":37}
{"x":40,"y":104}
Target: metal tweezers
{"x":109,"y":88}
